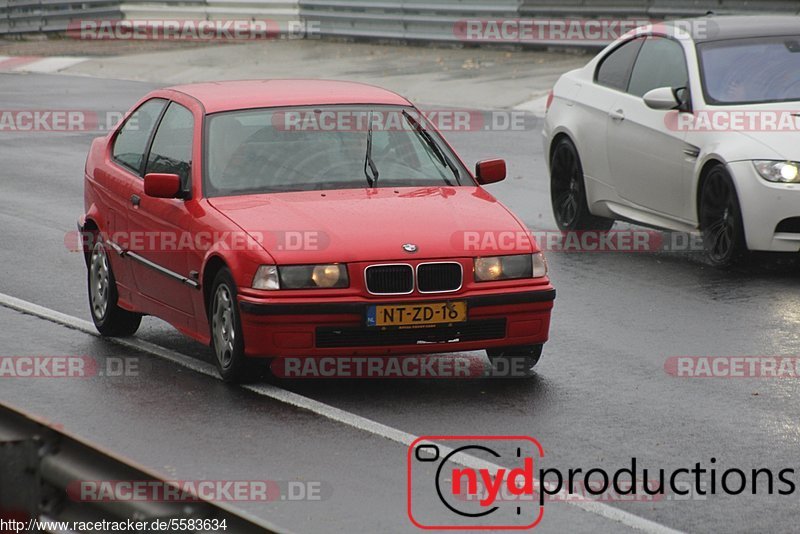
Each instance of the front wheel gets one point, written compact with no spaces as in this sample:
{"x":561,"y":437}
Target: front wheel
{"x":568,"y":192}
{"x":227,"y":339}
{"x":721,"y":219}
{"x":515,"y":361}
{"x":109,"y":319}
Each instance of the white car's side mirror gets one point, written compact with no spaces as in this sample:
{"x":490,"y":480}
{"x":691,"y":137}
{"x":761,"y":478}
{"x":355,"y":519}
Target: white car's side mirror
{"x":661,"y":98}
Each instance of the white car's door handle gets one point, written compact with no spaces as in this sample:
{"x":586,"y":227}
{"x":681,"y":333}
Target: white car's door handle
{"x":617,"y":115}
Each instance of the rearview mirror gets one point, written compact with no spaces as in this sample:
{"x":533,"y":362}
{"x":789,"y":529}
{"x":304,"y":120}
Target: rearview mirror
{"x":490,"y":171}
{"x":161,"y":185}
{"x":662,"y":98}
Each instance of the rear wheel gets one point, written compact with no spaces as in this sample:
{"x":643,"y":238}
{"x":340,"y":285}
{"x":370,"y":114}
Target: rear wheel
{"x":109,"y":319}
{"x":515,"y":361}
{"x":227,"y":340}
{"x":568,"y":191}
{"x":721,"y":219}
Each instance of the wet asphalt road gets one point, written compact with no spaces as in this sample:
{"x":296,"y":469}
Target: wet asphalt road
{"x":601,"y":395}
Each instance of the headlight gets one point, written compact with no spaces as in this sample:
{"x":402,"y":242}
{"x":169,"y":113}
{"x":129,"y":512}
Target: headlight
{"x":266,"y":278}
{"x":510,"y":267}
{"x":313,"y":276}
{"x":786,"y":172}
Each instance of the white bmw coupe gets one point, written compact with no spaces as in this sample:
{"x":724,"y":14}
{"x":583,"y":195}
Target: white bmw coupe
{"x":687,"y":126}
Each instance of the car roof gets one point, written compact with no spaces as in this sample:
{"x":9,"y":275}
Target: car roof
{"x":718,"y":28}
{"x":248,"y":94}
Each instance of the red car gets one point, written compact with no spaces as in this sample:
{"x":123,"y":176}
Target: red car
{"x":305,"y":218}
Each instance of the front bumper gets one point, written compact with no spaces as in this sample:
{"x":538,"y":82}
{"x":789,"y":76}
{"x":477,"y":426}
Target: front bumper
{"x":764,"y":205}
{"x":276,"y":328}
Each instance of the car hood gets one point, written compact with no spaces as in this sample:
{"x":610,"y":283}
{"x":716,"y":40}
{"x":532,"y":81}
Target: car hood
{"x":772,"y":127}
{"x":777,"y":145}
{"x":373,"y":224}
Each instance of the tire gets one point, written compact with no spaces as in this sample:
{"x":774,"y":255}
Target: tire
{"x":109,"y":319}
{"x":720,"y":219}
{"x":568,"y":192}
{"x":227,"y":340}
{"x":514,"y":360}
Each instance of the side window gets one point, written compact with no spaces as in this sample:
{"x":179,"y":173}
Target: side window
{"x":131,"y":141}
{"x":172,"y":146}
{"x":615,"y":68}
{"x":661,"y":63}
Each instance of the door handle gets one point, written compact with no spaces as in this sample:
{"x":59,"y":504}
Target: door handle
{"x":617,"y":115}
{"x":135,"y":200}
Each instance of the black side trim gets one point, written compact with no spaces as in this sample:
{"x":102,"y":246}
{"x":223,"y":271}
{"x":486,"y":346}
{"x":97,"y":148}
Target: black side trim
{"x":359,"y":308}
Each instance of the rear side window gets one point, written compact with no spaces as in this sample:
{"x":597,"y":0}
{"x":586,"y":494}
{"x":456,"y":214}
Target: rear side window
{"x":131,"y":141}
{"x":172,"y":146}
{"x":615,"y":69}
{"x":660,"y":63}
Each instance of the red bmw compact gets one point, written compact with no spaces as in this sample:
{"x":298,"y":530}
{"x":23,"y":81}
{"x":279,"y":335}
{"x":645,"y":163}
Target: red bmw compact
{"x":305,"y":218}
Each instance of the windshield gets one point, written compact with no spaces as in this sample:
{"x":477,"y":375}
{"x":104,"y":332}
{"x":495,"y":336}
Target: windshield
{"x":749,"y":71}
{"x":324,"y":147}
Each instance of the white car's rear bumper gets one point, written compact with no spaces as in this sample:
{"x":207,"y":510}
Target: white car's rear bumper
{"x":764,"y":206}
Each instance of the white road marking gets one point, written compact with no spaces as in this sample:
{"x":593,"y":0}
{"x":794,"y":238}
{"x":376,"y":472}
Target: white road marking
{"x":50,"y":64}
{"x":325,"y":410}
{"x":40,"y":65}
{"x":536,"y":106}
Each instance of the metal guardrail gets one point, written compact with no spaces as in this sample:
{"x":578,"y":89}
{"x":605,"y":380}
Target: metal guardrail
{"x":406,"y":20}
{"x":277,"y":10}
{"x":655,"y":9}
{"x":39,"y":462}
{"x":435,"y":20}
{"x":33,"y":16}
{"x":425,"y":20}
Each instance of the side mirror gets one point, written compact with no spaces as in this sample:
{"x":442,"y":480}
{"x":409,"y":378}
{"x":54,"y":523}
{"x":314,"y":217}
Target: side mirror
{"x":661,"y":98}
{"x":160,"y":185}
{"x":490,"y":171}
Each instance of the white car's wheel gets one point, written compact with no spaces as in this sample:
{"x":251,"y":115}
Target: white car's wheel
{"x":568,"y":192}
{"x":721,"y":219}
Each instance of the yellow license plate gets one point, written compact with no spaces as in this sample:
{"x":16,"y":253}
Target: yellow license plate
{"x":432,"y":313}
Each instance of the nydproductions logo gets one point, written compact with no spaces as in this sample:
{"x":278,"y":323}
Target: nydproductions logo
{"x":473,"y":482}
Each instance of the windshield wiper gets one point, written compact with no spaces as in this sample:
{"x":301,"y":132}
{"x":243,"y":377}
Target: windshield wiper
{"x":428,"y":138}
{"x":372,"y":180}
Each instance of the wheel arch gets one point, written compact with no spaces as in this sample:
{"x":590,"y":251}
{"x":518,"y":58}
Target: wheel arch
{"x":214,"y":264}
{"x":557,"y":137}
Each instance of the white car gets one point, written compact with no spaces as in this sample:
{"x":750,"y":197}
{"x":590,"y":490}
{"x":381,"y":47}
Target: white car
{"x":687,"y":126}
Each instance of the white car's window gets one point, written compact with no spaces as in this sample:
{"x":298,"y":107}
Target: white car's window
{"x":615,"y":69}
{"x":740,"y":71}
{"x":172,"y":146}
{"x":131,"y":141}
{"x":661,"y":63}
{"x":323,"y":147}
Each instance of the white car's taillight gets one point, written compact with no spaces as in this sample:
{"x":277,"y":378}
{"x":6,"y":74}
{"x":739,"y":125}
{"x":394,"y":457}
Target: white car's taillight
{"x":549,"y":101}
